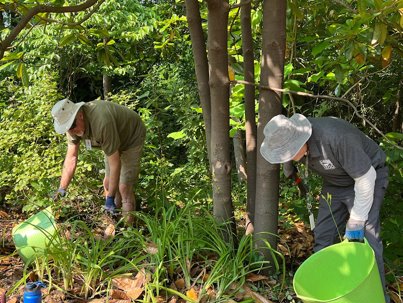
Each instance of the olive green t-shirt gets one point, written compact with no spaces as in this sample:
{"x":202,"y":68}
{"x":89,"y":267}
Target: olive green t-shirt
{"x":111,"y":127}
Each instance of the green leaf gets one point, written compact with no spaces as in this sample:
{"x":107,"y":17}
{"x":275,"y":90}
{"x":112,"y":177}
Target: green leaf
{"x":380,"y":33}
{"x":337,"y":91}
{"x":6,"y":65}
{"x":339,"y":74}
{"x":19,"y":70}
{"x":67,"y":39}
{"x":25,"y":78}
{"x":12,"y":56}
{"x":84,"y":39}
{"x":145,"y":95}
{"x":320,"y":47}
{"x":288,"y":69}
{"x":315,"y":77}
{"x":294,"y":85}
{"x":395,"y":136}
{"x":177,"y":135}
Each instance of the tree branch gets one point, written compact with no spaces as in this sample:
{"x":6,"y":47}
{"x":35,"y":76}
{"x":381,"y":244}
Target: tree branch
{"x":85,"y":18}
{"x":5,"y":44}
{"x":243,"y":2}
{"x":351,"y":104}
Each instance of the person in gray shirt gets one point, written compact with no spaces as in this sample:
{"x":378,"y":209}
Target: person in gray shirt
{"x":353,"y":170}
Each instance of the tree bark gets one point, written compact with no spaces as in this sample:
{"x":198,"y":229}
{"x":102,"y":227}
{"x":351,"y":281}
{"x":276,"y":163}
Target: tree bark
{"x":201,"y":66}
{"x":106,"y":80}
{"x":272,"y":74}
{"x":250,"y":123}
{"x":106,"y":85}
{"x":397,"y":125}
{"x":239,"y":153}
{"x":219,"y":91}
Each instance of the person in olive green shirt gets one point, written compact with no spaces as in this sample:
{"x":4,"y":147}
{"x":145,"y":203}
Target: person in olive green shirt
{"x":115,"y":129}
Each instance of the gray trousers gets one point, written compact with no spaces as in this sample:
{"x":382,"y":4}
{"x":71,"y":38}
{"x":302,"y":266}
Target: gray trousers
{"x":340,"y":204}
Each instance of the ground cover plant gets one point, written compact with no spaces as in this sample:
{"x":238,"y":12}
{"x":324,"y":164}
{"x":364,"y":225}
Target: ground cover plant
{"x":171,"y":256}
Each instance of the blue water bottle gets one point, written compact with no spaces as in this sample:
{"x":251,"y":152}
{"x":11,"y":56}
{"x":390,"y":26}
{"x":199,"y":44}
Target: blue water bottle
{"x":32,"y":292}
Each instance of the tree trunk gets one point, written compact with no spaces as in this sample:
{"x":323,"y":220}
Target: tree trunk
{"x":107,"y":85}
{"x":250,"y":123}
{"x":106,"y":80}
{"x":239,"y":153}
{"x":201,"y":66}
{"x":272,"y":72}
{"x":219,"y":90}
{"x":397,"y":125}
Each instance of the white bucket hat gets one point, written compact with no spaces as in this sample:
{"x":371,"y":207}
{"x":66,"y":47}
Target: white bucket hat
{"x":64,"y":112}
{"x":284,"y":137}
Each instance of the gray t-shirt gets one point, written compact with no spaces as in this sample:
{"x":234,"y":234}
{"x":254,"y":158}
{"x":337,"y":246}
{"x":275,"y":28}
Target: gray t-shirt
{"x":340,"y":152}
{"x":111,"y":127}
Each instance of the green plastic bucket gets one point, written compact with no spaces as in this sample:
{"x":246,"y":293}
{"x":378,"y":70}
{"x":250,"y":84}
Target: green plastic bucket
{"x":342,"y":273}
{"x":32,"y":236}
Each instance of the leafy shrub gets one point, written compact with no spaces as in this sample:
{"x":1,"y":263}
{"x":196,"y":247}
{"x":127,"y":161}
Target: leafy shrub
{"x":31,"y":153}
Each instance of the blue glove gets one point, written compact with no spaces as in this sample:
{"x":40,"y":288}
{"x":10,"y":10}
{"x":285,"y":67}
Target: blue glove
{"x":355,"y":230}
{"x":60,"y":193}
{"x":110,"y":205}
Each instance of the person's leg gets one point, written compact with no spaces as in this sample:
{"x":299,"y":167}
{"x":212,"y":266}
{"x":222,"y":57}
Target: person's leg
{"x":129,"y":174}
{"x":331,"y":219}
{"x":373,"y":225}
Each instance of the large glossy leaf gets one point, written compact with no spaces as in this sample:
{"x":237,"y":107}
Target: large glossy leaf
{"x":68,"y":39}
{"x":380,"y":33}
{"x":319,"y":48}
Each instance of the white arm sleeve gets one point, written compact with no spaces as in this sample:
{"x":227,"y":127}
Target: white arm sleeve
{"x":364,"y":195}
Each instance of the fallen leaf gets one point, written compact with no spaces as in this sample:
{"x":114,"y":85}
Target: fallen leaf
{"x":135,"y":293}
{"x":109,"y":231}
{"x":254,"y":277}
{"x":173,"y":300}
{"x":152,"y":248}
{"x":133,"y":288}
{"x":119,"y":294}
{"x":395,"y":298}
{"x":180,"y":283}
{"x":192,"y":294}
{"x":130,"y":283}
{"x":13,"y":300}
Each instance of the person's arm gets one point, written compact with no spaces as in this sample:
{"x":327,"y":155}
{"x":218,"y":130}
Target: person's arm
{"x":114,"y":173}
{"x":364,"y":196}
{"x":69,"y":166}
{"x":364,"y":187}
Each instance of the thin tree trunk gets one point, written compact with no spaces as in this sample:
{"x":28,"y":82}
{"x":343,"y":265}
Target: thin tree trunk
{"x":106,"y":80}
{"x":397,"y":125}
{"x":239,"y":153}
{"x":201,"y":66}
{"x":107,"y":85}
{"x":219,"y":90}
{"x":272,"y":72}
{"x":250,"y":123}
